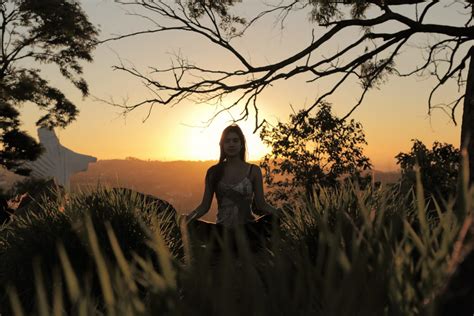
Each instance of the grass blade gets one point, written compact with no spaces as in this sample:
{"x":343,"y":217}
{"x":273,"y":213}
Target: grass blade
{"x":72,"y":283}
{"x":15,"y":302}
{"x":102,"y":270}
{"x":41,"y":297}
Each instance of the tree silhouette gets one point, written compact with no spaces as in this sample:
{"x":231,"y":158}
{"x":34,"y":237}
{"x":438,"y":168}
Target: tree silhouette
{"x":43,"y":32}
{"x":438,"y":167}
{"x":369,"y":57}
{"x":316,"y":152}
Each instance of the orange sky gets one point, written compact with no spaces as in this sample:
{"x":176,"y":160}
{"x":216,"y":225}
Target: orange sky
{"x":391,"y":116}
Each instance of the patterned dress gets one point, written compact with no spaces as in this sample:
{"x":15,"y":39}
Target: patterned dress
{"x":235,"y":202}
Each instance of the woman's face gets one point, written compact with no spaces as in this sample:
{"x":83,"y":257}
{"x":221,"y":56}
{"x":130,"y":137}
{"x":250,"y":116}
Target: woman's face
{"x":232,"y":145}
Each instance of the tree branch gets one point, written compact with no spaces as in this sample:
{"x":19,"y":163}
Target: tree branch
{"x":250,"y":80}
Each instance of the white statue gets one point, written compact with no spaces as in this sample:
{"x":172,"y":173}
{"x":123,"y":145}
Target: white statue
{"x":57,"y":161}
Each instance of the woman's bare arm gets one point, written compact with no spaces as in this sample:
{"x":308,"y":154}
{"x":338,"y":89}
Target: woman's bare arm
{"x":259,"y":194}
{"x":205,"y":205}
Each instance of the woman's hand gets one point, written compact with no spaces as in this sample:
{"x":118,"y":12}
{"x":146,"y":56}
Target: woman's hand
{"x":190,"y":217}
{"x":183,"y":220}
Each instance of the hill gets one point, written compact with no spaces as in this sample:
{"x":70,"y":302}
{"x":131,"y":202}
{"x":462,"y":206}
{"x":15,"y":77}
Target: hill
{"x":178,"y":182}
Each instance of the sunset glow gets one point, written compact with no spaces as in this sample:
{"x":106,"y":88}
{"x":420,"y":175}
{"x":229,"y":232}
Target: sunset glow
{"x":259,"y":157}
{"x":391,"y":116}
{"x":197,"y":137}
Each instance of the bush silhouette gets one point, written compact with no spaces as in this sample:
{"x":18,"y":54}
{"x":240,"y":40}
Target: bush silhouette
{"x":438,"y":167}
{"x":312,"y":152}
{"x":31,"y":242}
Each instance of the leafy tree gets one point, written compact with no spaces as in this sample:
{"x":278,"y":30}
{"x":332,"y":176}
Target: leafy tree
{"x":318,"y":151}
{"x":369,"y":57}
{"x":438,"y":167}
{"x":42,"y":32}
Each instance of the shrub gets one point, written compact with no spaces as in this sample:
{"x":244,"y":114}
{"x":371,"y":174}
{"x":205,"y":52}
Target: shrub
{"x":312,"y":152}
{"x":439,"y":168}
{"x":31,"y":241}
{"x":346,"y":251}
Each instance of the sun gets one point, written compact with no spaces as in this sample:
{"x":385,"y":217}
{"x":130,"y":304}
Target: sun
{"x":203,"y":142}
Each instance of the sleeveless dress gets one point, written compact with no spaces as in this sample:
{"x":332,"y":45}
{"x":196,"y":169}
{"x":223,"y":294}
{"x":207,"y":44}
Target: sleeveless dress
{"x":235,"y":202}
{"x":234,"y":209}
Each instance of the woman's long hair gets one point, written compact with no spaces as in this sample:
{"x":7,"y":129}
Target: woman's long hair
{"x":218,"y":170}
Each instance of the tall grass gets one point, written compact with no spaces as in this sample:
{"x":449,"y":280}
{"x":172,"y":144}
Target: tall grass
{"x":345,"y":252}
{"x":79,"y":229}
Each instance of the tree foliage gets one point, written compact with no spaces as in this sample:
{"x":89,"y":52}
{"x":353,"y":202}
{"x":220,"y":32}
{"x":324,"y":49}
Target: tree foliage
{"x":318,"y":151}
{"x":438,"y":167}
{"x":39,"y":32}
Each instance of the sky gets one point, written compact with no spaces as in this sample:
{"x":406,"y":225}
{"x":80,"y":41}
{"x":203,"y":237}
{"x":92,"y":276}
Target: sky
{"x":391,"y":116}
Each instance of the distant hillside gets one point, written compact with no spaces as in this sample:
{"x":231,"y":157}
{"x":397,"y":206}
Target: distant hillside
{"x":385,"y":177}
{"x":178,"y":182}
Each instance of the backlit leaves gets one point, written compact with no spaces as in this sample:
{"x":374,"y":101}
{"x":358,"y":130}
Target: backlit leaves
{"x":46,"y":32}
{"x":312,"y":151}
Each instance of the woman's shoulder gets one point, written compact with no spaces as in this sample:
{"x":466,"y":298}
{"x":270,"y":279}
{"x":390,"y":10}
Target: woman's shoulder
{"x":254,"y":169}
{"x":253,"y":165}
{"x":213,"y":169}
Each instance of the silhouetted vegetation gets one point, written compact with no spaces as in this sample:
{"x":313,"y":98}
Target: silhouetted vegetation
{"x":39,"y":32}
{"x":347,"y":252}
{"x":340,"y":249}
{"x":310,"y":152}
{"x":29,"y":245}
{"x":438,"y":167}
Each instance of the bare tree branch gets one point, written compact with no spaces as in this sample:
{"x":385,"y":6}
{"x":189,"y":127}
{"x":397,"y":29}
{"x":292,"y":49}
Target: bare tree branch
{"x":247,"y":80}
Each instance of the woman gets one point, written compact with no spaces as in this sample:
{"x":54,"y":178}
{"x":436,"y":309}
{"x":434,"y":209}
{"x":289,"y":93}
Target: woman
{"x":236,"y":184}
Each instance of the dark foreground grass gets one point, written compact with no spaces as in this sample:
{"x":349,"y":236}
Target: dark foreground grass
{"x":346,"y":252}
